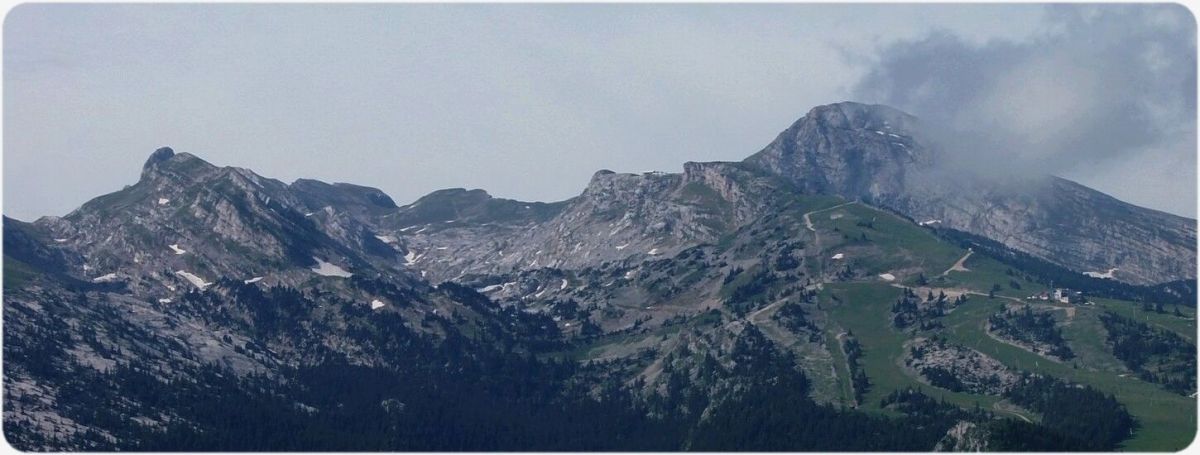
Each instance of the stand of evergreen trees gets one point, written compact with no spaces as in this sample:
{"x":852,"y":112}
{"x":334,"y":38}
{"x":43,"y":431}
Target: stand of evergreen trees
{"x":1035,"y":327}
{"x":1156,"y":355}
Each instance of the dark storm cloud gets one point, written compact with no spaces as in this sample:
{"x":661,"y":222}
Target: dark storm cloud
{"x":1098,"y":89}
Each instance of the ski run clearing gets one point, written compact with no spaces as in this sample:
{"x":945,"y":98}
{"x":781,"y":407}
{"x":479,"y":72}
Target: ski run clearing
{"x":326,"y":269}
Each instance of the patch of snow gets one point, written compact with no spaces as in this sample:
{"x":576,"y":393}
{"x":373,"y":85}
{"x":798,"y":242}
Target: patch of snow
{"x":412,"y":257}
{"x":887,"y":277}
{"x":60,"y":240}
{"x":880,"y":132}
{"x":177,"y":249}
{"x":441,"y":248}
{"x":306,"y":215}
{"x":539,"y":294}
{"x":928,"y":222}
{"x":630,"y":274}
{"x":86,"y":267}
{"x":838,"y":256}
{"x":326,"y":269}
{"x":894,"y":135}
{"x":621,"y":247}
{"x":422,"y":274}
{"x":564,"y":284}
{"x":653,"y":252}
{"x":376,"y":304}
{"x":105,"y":278}
{"x":422,"y":230}
{"x":253,"y":280}
{"x":408,"y":228}
{"x":164,"y":300}
{"x":163,"y":201}
{"x":490,"y":288}
{"x":534,"y":263}
{"x":567,"y":324}
{"x":386,"y":238}
{"x":195,"y":280}
{"x":1103,"y":275}
{"x":835,"y":216}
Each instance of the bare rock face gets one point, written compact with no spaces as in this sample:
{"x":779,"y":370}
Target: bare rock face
{"x":618,"y":216}
{"x":964,"y":436}
{"x":879,"y":155}
{"x":186,"y":223}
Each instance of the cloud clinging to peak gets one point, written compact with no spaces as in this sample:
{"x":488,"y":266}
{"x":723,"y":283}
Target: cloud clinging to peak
{"x":1103,"y":94}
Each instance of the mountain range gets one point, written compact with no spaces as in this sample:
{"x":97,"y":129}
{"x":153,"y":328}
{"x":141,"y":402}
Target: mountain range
{"x":841,"y":281}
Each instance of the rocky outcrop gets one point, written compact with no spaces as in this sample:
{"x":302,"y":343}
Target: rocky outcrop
{"x":617,"y":216}
{"x":958,"y":368}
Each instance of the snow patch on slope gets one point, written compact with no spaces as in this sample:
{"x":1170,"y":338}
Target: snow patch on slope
{"x":196,"y":281}
{"x":105,"y":278}
{"x":326,"y":269}
{"x":1103,"y":275}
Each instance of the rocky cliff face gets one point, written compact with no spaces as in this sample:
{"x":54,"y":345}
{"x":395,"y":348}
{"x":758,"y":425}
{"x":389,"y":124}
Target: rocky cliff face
{"x":880,"y":155}
{"x":618,"y":216}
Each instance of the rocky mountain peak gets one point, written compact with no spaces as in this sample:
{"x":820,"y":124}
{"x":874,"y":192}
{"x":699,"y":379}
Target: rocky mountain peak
{"x":166,"y":163}
{"x":162,"y":154}
{"x":881,"y":155}
{"x":852,"y":115}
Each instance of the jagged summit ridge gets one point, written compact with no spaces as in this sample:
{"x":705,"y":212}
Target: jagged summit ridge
{"x":871,"y":153}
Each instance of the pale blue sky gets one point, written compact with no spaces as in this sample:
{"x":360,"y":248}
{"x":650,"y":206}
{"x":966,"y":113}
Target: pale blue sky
{"x":525,"y":101}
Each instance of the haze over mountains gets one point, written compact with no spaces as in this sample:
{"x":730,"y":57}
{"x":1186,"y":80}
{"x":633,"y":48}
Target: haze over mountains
{"x":674,"y":301}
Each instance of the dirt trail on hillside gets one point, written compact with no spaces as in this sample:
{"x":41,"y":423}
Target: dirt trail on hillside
{"x":958,"y":266}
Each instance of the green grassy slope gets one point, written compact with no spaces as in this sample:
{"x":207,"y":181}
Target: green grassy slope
{"x":1168,"y":420}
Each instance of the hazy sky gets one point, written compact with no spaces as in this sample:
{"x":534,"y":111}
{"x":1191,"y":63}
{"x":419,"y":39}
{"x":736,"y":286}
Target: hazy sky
{"x":527,"y":101}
